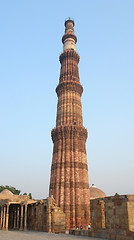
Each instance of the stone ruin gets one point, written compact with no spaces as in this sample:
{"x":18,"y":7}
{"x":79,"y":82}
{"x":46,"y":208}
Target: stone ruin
{"x":18,"y":212}
{"x":111,"y":218}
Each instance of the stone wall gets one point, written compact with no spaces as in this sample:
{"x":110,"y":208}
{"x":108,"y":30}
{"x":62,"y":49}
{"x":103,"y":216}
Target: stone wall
{"x":130,"y":207}
{"x":111,"y":218}
{"x":97,"y":210}
{"x":116,"y":212}
{"x":38,"y":216}
{"x":46,"y":216}
{"x":103,"y":234}
{"x":58,"y":220}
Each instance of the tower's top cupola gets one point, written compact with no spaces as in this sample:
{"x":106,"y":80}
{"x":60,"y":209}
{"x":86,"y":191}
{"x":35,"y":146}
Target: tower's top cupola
{"x":69,"y":24}
{"x":69,"y":39}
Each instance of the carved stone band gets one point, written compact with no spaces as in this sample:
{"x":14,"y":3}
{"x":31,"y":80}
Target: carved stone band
{"x":74,"y":86}
{"x":69,"y":132}
{"x":69,"y":54}
{"x":80,"y":185}
{"x":70,"y":165}
{"x":69,"y":35}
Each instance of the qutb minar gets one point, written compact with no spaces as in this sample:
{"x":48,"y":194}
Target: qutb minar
{"x":69,"y":183}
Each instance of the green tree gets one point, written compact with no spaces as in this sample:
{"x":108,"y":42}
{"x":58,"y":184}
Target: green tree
{"x":30,"y":195}
{"x":116,"y":194}
{"x":11,"y":189}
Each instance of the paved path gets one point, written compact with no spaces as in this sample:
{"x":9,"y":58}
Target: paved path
{"x":16,"y":235}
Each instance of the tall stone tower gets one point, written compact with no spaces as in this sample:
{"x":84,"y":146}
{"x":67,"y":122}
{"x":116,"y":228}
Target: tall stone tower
{"x":69,"y":182}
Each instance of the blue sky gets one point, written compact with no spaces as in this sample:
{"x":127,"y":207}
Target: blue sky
{"x":30,"y":45}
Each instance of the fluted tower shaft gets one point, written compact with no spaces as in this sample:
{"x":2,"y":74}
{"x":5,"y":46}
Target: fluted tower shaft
{"x":69,"y":182}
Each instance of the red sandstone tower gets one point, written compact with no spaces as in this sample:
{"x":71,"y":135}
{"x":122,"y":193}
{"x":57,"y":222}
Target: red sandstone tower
{"x":69,"y":182}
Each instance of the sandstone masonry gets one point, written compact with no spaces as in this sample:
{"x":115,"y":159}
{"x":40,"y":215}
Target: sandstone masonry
{"x":69,"y":182}
{"x":21,"y":213}
{"x":111,"y":218}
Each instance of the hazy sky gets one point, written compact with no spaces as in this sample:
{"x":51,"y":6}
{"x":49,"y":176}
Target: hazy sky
{"x":30,"y":45}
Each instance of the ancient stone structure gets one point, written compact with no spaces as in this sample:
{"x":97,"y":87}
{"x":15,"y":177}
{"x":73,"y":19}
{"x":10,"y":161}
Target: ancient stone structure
{"x":69,"y":182}
{"x":21,"y":213}
{"x":111,"y":218}
{"x":96,"y":192}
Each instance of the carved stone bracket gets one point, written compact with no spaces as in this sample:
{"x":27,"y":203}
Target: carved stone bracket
{"x":74,"y":86}
{"x":69,"y":35}
{"x":68,"y":132}
{"x":69,"y":53}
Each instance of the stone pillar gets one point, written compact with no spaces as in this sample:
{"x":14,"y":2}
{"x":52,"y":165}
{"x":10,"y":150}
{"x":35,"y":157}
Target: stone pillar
{"x":18,"y":216}
{"x":15,"y":219}
{"x":7,"y":217}
{"x":21,"y":218}
{"x":4,"y":216}
{"x":1,"y":216}
{"x":32,"y":221}
{"x":25,"y":218}
{"x":11,"y":217}
{"x":35,"y":214}
{"x":49,"y":219}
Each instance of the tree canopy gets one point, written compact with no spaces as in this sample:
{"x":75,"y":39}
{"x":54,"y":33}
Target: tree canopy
{"x":116,"y":194}
{"x":14,"y":190}
{"x":11,"y":189}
